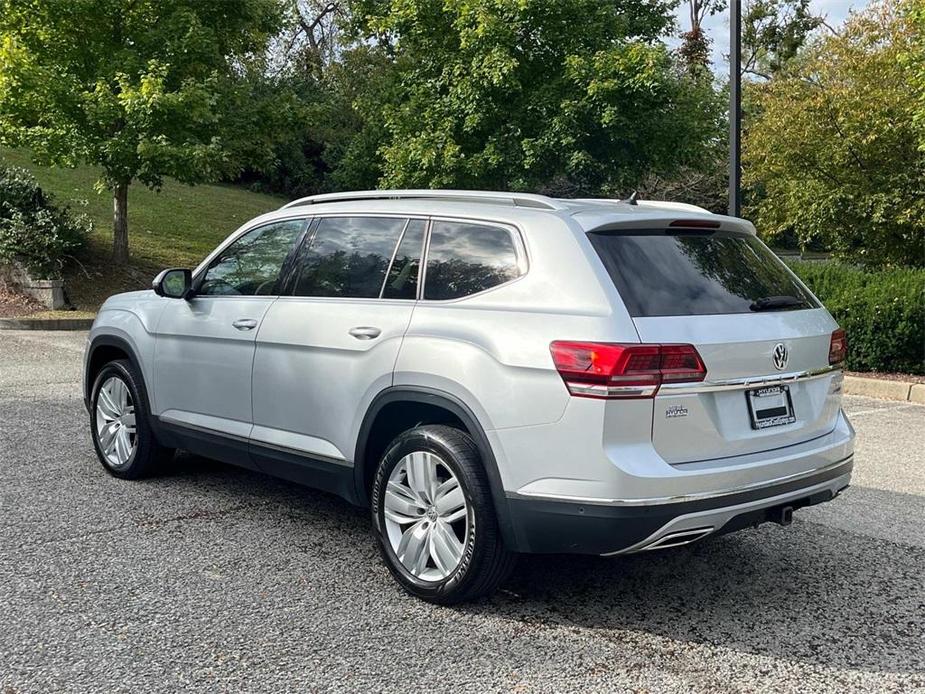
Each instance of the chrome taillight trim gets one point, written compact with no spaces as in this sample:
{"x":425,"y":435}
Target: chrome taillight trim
{"x":600,"y":390}
{"x":749,"y":382}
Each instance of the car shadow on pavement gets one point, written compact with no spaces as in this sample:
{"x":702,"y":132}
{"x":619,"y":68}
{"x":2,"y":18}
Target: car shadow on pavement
{"x":809,"y":592}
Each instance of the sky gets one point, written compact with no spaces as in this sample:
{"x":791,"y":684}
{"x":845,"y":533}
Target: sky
{"x":717,"y":26}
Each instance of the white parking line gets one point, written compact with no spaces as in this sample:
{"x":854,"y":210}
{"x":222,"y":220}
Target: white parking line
{"x":887,"y":408}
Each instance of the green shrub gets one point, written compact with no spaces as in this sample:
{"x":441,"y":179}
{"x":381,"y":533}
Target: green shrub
{"x":883,"y":313}
{"x":33,"y":231}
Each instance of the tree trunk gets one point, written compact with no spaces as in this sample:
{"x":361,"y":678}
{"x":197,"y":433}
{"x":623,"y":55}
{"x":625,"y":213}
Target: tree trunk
{"x":120,"y":224}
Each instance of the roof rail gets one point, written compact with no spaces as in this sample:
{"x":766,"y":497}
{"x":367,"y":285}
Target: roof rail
{"x":514,"y":199}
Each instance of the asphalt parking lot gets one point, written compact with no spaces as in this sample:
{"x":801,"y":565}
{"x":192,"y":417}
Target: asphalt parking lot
{"x":210,"y":578}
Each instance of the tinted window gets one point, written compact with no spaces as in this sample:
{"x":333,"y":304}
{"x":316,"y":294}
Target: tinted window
{"x":251,"y":265}
{"x":664,"y":274}
{"x":402,"y":282}
{"x":348,"y":256}
{"x":467,"y":258}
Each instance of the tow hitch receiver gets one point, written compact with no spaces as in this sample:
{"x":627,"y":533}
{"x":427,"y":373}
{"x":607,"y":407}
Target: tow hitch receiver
{"x":782,"y":515}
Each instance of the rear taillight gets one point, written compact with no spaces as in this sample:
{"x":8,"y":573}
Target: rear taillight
{"x":838,"y":347}
{"x":607,"y":370}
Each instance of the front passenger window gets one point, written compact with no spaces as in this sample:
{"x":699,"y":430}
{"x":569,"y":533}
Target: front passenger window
{"x":251,"y":265}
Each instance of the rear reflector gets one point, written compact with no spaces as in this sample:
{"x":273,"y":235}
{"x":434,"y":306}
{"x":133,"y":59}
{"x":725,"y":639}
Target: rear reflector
{"x":608,"y":370}
{"x":838,"y":347}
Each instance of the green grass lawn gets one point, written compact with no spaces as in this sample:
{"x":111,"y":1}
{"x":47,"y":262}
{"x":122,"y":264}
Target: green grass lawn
{"x":174,"y":227}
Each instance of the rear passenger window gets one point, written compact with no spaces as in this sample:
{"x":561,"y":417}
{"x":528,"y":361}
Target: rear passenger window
{"x":465,"y":258}
{"x":347,"y":257}
{"x":402,"y":282}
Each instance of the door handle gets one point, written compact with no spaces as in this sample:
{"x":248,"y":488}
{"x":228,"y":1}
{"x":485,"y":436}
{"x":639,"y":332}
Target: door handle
{"x":365,"y":332}
{"x":245,"y":324}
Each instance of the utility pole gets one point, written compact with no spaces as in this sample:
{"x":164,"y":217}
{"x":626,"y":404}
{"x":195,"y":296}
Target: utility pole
{"x":735,"y":108}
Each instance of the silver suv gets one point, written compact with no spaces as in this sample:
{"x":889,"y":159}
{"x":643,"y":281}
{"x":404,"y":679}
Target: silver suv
{"x":488,"y":373}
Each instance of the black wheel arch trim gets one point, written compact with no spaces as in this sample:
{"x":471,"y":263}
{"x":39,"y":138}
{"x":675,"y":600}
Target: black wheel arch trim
{"x":122,"y":344}
{"x":454,"y":405}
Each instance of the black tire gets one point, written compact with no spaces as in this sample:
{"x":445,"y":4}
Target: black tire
{"x":485,"y":561}
{"x":147,"y":454}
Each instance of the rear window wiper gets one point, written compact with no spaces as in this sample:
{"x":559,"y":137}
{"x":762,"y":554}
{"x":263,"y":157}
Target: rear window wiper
{"x":776,"y":303}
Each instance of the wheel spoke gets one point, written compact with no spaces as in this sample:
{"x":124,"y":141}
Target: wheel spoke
{"x":108,"y":438}
{"x":455,"y":515}
{"x":404,"y":492}
{"x":121,"y":394}
{"x":422,"y":475}
{"x":399,"y":507}
{"x":445,"y":547}
{"x":412,"y":550}
{"x":451,"y":500}
{"x":106,"y":405}
{"x":122,"y":446}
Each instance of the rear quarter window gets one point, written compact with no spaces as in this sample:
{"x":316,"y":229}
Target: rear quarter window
{"x":678,"y":273}
{"x":465,"y":258}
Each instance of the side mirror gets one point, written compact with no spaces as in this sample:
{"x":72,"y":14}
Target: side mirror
{"x":175,"y":283}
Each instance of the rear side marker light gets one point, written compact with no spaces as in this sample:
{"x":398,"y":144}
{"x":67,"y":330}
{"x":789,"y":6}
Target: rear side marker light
{"x":838,"y":347}
{"x":609,"y":370}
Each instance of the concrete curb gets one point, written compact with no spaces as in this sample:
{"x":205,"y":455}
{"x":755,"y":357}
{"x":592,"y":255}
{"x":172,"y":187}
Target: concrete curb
{"x":45,"y":323}
{"x":905,"y":391}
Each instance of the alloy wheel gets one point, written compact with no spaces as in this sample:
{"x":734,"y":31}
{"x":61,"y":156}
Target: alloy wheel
{"x":115,"y":422}
{"x":426,"y":516}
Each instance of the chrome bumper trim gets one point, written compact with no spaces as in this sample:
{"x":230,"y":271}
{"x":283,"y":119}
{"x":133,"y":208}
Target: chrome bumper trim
{"x":681,"y":498}
{"x":713,"y":520}
{"x":749,"y":382}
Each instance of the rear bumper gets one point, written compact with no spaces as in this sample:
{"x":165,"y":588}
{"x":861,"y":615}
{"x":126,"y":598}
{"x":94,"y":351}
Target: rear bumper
{"x":546,"y":525}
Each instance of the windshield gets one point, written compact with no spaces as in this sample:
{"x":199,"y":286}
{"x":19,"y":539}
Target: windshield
{"x":681,"y":273}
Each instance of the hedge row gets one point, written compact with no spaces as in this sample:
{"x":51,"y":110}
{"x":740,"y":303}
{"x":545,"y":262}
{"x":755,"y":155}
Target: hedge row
{"x":883,"y":313}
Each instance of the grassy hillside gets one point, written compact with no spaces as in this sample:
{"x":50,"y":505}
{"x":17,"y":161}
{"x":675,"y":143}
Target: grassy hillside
{"x":177,"y":226}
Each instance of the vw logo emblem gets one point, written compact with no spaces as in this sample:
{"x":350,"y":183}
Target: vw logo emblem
{"x":779,"y":356}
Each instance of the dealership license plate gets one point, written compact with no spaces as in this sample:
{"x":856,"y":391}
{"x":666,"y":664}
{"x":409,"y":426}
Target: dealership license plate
{"x":770,"y":407}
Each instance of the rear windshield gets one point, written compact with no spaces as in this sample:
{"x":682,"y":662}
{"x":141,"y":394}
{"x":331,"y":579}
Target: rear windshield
{"x":693,"y":274}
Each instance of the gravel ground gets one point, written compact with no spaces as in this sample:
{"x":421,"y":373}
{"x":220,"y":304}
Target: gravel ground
{"x":211,"y":578}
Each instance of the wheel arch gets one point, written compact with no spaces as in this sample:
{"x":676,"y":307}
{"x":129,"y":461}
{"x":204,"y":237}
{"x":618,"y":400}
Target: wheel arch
{"x":102,"y":350}
{"x":364,"y":463}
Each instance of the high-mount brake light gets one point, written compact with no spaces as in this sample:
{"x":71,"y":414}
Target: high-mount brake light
{"x":609,"y":370}
{"x":695,"y":224}
{"x":838,"y":347}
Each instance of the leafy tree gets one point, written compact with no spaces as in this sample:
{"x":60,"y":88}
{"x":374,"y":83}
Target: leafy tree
{"x":141,"y":88}
{"x":833,"y":148}
{"x":695,"y":44}
{"x":517,"y":94}
{"x":773,"y":32}
{"x":913,"y":59}
{"x":333,"y":130}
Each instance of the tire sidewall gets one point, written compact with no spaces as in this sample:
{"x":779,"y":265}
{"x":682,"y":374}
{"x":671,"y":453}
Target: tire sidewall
{"x":142,"y":435}
{"x":458,"y":581}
